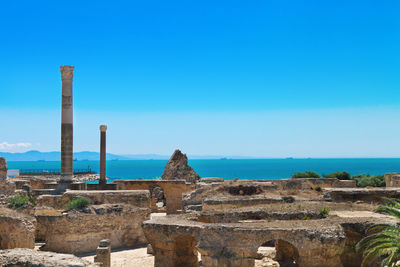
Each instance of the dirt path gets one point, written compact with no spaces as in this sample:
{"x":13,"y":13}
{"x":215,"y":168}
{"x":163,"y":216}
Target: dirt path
{"x":129,"y":257}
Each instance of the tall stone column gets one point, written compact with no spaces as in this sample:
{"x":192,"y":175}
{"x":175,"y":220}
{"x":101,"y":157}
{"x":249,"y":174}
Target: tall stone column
{"x":103,"y":129}
{"x":66,"y":125}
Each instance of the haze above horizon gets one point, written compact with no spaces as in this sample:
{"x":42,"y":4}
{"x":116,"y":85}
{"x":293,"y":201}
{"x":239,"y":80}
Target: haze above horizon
{"x":270,"y":79}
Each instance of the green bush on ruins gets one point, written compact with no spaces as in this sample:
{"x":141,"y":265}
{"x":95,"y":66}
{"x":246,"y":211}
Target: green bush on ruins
{"x":19,"y":202}
{"x":364,"y":180}
{"x":78,"y":203}
{"x":338,"y":175}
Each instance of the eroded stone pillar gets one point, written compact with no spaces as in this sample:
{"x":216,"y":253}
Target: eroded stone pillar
{"x":103,"y":253}
{"x":66,"y":125}
{"x":103,"y":129}
{"x":3,"y":169}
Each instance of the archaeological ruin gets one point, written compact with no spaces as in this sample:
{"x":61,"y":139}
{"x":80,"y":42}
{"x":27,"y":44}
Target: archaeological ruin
{"x":211,"y":222}
{"x":208,"y":222}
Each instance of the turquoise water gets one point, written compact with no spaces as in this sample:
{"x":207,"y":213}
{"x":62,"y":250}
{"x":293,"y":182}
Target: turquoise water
{"x":241,"y":168}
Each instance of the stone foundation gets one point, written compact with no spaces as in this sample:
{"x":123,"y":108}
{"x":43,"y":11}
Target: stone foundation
{"x":33,"y":181}
{"x":16,"y":230}
{"x":177,"y":239}
{"x":173,"y":191}
{"x":80,"y":232}
{"x":138,"y":198}
{"x":312,"y":183}
{"x":392,"y":179}
{"x":369,"y":195}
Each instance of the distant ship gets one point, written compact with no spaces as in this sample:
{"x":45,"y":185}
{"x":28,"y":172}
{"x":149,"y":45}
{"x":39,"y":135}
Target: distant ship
{"x":41,"y":160}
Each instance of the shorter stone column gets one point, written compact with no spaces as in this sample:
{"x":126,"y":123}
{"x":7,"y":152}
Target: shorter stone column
{"x":103,"y":253}
{"x":103,"y":129}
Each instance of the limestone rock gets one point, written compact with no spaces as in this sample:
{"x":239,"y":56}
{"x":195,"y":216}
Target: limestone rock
{"x":6,"y":187}
{"x":3,"y":169}
{"x":177,"y":168}
{"x":29,"y":257}
{"x":16,"y":230}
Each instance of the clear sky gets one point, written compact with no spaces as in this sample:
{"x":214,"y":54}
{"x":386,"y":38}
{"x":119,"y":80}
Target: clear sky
{"x":254,"y":78}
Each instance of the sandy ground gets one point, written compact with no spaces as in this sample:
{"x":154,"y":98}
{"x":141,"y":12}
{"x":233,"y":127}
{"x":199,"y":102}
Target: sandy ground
{"x":129,"y":257}
{"x":134,"y":257}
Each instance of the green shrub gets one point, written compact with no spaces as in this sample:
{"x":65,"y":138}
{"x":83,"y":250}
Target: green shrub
{"x":318,"y":189}
{"x":338,"y":175}
{"x":307,"y":174}
{"x":363,"y":180}
{"x":306,"y":218}
{"x":78,"y":203}
{"x":198,"y":177}
{"x":324,"y":211}
{"x":19,"y":202}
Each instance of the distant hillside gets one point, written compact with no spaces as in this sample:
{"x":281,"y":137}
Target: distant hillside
{"x":35,"y":155}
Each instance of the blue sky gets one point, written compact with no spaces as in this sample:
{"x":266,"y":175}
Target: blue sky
{"x":253,"y":78}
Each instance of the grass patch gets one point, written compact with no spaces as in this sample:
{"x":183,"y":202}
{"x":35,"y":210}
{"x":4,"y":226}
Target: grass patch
{"x":19,"y":202}
{"x":324,"y":211}
{"x":78,"y":203}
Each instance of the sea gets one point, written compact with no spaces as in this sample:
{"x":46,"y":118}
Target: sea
{"x":250,"y":169}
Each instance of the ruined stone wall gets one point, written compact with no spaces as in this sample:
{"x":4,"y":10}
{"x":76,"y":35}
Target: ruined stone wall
{"x":138,"y":198}
{"x":16,"y":230}
{"x":369,"y":195}
{"x":392,"y":179}
{"x":312,"y":183}
{"x":6,"y":187}
{"x":194,"y":199}
{"x":32,"y":181}
{"x":174,"y":244}
{"x":78,"y":232}
{"x":345,"y":184}
{"x":217,"y":204}
{"x":3,"y":169}
{"x":173,"y":190}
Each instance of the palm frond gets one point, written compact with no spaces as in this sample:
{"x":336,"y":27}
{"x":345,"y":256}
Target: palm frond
{"x":383,"y":241}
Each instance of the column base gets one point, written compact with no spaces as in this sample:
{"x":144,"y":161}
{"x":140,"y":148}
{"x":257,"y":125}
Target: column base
{"x":64,"y":185}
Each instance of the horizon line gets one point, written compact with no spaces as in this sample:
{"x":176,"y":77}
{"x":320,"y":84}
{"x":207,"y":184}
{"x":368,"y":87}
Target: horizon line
{"x":224,"y":157}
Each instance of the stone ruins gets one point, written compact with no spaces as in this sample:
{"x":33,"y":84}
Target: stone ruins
{"x":209,"y":222}
{"x":177,"y":168}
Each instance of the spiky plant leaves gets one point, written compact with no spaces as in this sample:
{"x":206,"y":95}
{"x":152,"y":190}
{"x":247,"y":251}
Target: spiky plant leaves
{"x":384,"y":242}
